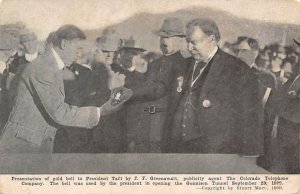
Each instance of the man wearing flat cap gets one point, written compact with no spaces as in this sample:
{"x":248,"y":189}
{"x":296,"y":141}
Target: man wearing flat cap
{"x":28,"y":51}
{"x":40,"y":108}
{"x":161,"y":73}
{"x":218,"y":110}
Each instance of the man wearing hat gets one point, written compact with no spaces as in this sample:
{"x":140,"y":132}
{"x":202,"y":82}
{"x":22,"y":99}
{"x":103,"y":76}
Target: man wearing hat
{"x":154,"y":90}
{"x":218,"y":110}
{"x":8,"y":47}
{"x":40,"y":108}
{"x":108,"y":135}
{"x":28,"y":51}
{"x":130,"y":62}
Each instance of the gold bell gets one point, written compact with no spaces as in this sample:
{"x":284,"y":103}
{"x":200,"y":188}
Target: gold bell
{"x":206,"y":103}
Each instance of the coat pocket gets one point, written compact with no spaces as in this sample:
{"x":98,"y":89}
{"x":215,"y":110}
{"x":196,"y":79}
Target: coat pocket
{"x":34,"y":136}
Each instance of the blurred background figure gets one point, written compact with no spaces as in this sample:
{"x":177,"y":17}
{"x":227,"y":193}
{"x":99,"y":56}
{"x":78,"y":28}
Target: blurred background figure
{"x":28,"y":51}
{"x":108,"y":45}
{"x":8,"y":47}
{"x":229,"y":48}
{"x":108,"y":136}
{"x":248,"y":51}
{"x":283,"y":109}
{"x":131,"y":63}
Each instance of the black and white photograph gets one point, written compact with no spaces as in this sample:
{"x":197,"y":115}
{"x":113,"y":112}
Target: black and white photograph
{"x":149,"y":87}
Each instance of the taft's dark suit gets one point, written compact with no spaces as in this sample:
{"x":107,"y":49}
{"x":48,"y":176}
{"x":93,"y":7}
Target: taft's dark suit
{"x":232,"y":121}
{"x":39,"y":109}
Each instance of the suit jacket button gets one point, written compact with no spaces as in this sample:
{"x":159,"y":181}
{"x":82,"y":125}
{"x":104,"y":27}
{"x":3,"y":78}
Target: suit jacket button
{"x":183,"y":134}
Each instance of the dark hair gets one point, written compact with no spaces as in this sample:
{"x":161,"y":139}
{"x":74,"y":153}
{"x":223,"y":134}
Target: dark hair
{"x":67,"y":32}
{"x":50,"y":38}
{"x":208,"y":26}
{"x":253,"y":44}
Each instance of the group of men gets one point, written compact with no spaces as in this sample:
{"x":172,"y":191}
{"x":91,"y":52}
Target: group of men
{"x":113,"y":100}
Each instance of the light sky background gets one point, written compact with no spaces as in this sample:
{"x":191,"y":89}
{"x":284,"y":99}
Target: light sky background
{"x":44,"y":16}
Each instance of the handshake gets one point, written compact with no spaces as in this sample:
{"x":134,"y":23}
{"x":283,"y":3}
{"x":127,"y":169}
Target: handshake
{"x":118,"y":97}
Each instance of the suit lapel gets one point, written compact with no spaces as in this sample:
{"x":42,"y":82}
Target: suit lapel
{"x":188,"y":75}
{"x":58,"y":74}
{"x":213,"y":75}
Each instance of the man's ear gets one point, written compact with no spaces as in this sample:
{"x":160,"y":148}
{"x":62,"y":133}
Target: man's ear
{"x":212,"y":38}
{"x":63,"y":44}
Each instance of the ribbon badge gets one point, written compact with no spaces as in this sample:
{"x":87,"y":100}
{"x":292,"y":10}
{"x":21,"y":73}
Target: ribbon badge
{"x":179,"y":84}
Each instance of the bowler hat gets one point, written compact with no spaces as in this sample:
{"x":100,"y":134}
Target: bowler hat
{"x":27,"y":37}
{"x":171,"y":26}
{"x":109,"y":41}
{"x":131,"y":44}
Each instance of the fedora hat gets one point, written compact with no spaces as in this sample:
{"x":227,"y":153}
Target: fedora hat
{"x":109,"y":41}
{"x":171,"y":26}
{"x":131,"y":44}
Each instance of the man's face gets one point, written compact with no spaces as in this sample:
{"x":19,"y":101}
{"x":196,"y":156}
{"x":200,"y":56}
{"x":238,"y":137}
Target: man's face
{"x":199,"y":43}
{"x":70,"y":50}
{"x":105,"y":57}
{"x":169,"y":44}
{"x":30,"y":47}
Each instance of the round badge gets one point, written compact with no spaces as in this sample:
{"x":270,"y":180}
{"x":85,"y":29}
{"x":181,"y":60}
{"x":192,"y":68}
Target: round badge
{"x":179,"y":89}
{"x":206,"y":103}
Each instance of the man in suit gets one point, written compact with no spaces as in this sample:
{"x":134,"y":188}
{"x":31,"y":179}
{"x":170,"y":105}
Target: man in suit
{"x":154,"y":90}
{"x":218,"y":109}
{"x":39,"y":107}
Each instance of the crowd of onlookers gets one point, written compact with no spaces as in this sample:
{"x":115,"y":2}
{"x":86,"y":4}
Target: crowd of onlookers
{"x":279,"y":60}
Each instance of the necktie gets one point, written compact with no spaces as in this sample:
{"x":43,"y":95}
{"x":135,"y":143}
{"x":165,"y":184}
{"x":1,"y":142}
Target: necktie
{"x":196,"y":72}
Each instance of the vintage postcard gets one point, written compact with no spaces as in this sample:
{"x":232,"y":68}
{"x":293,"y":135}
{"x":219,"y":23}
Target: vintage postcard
{"x":142,"y":96}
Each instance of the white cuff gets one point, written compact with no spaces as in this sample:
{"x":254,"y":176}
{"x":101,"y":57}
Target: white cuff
{"x":99,"y":112}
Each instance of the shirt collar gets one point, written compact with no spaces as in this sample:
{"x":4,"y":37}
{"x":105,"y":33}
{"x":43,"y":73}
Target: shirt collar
{"x":2,"y":66}
{"x":86,"y":66}
{"x":212,"y":54}
{"x":167,"y":54}
{"x":31,"y":57}
{"x":58,"y":60}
